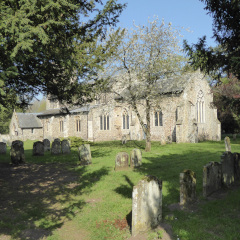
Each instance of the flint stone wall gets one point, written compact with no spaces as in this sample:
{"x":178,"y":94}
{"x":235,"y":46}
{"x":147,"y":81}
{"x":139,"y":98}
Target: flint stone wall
{"x":146,"y":204}
{"x":212,"y":178}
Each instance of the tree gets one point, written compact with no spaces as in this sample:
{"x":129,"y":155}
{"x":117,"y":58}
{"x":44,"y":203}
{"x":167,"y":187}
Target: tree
{"x":145,"y":56}
{"x":53,"y":46}
{"x":225,"y":58}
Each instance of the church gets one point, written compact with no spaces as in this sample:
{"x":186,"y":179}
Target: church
{"x":185,"y":114}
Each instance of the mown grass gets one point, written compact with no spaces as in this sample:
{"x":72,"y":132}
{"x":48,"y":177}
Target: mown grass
{"x":100,"y":201}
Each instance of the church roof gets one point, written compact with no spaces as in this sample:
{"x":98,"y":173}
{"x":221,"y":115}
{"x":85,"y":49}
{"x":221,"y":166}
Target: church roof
{"x":55,"y":111}
{"x":28,"y":120}
{"x":85,"y":108}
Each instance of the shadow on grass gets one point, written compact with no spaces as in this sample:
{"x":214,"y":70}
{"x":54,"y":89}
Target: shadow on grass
{"x":125,"y":189}
{"x":36,"y":199}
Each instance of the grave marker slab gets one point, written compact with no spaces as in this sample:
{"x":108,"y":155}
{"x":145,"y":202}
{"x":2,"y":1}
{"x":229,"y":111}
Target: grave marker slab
{"x":121,"y":161}
{"x":46,"y":144}
{"x":17,"y":152}
{"x":136,"y":158}
{"x":3,"y":148}
{"x":227,"y":144}
{"x":56,"y":147}
{"x":65,"y":146}
{"x":227,"y":169}
{"x":84,"y":154}
{"x":38,"y":149}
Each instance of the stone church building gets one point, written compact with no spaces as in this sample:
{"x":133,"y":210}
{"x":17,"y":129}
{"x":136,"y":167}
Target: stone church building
{"x":185,"y":114}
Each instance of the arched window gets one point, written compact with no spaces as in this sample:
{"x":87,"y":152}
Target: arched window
{"x":104,"y":122}
{"x":78,"y":125}
{"x":61,"y":126}
{"x":158,"y":116}
{"x":125,"y":120}
{"x":200,"y":107}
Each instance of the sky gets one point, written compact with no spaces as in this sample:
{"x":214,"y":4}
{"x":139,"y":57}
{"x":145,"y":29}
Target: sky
{"x":189,"y":14}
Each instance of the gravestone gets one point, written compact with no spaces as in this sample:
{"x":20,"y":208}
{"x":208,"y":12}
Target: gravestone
{"x":121,"y":161}
{"x":227,"y":169}
{"x":212,"y":178}
{"x":46,"y":144}
{"x":234,"y":136}
{"x":124,"y":139}
{"x":136,"y":158}
{"x":227,"y":144}
{"x":57,"y":140}
{"x":3,"y":148}
{"x":65,"y":146}
{"x":17,"y":152}
{"x":56,"y":147}
{"x":236,"y":158}
{"x":84,"y":154}
{"x":187,"y":187}
{"x":146,"y":204}
{"x":38,"y":149}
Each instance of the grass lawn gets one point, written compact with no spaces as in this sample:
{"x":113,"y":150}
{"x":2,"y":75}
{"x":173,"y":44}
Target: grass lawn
{"x":54,"y":198}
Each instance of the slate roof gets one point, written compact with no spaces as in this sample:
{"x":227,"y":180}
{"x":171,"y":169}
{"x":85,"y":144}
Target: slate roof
{"x":56,"y":111}
{"x":85,"y":108}
{"x":28,"y":120}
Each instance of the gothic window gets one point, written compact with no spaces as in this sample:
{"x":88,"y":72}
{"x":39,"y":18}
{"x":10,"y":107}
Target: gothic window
{"x":200,"y":107}
{"x":78,"y":125}
{"x":158,"y":118}
{"x":61,"y":125}
{"x":125,"y":120}
{"x":104,"y":122}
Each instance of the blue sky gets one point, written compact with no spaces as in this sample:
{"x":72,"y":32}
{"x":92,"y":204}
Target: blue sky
{"x":181,"y":13}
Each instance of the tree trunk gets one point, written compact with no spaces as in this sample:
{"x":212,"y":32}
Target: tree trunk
{"x":148,"y":144}
{"x":148,"y":128}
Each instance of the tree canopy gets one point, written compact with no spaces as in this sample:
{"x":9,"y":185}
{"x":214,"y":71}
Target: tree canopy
{"x":225,"y":58}
{"x":52,"y":46}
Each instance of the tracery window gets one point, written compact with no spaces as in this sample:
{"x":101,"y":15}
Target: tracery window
{"x":200,"y":107}
{"x":158,"y":116}
{"x":125,"y":120}
{"x":104,"y":122}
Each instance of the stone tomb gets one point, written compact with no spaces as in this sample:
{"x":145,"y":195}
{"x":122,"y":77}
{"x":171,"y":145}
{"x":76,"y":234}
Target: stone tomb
{"x":227,"y":144}
{"x":84,"y":154}
{"x":136,"y":158}
{"x":56,"y":147}
{"x":17,"y":152}
{"x":38,"y":149}
{"x":227,"y":169}
{"x":121,"y":161}
{"x":187,"y":187}
{"x":146,"y":204}
{"x":212,"y":178}
{"x":46,"y":144}
{"x":3,"y":148}
{"x":65,"y":146}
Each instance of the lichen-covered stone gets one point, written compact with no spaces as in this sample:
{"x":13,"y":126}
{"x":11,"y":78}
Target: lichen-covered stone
{"x":65,"y":146}
{"x":38,"y":149}
{"x":187,"y":187}
{"x":3,"y":148}
{"x":227,"y":144}
{"x":84,"y":154}
{"x":146,"y":204}
{"x":136,"y":158}
{"x":17,"y":152}
{"x":56,"y":147}
{"x":121,"y":161}
{"x":46,"y":144}
{"x":227,"y":169}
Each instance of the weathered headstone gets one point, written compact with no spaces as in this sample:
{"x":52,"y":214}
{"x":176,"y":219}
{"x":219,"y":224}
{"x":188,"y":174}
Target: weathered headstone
{"x":212,"y":178}
{"x":187,"y":187}
{"x":65,"y":146}
{"x":227,"y":169}
{"x":17,"y":152}
{"x":146,"y":204}
{"x":3,"y":148}
{"x":234,"y":136}
{"x":46,"y":144}
{"x":84,"y":154}
{"x":56,"y":147}
{"x":124,"y":139}
{"x":121,"y":161}
{"x":57,"y":140}
{"x":38,"y":149}
{"x":227,"y":144}
{"x":136,"y":158}
{"x":236,"y":158}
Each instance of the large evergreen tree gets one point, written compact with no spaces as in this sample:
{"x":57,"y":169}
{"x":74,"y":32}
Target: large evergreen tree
{"x":226,"y":28}
{"x":52,"y":46}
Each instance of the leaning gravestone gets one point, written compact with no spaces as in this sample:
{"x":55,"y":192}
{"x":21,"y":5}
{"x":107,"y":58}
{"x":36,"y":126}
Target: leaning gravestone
{"x":227,"y":169}
{"x":146,"y":204}
{"x":3,"y":148}
{"x":46,"y":144}
{"x":17,"y":152}
{"x":84,"y":154}
{"x":56,"y":147}
{"x":227,"y":144}
{"x":136,"y":158}
{"x":121,"y":161}
{"x":212,"y":178}
{"x":38,"y":149}
{"x":65,"y":146}
{"x":187,"y":187}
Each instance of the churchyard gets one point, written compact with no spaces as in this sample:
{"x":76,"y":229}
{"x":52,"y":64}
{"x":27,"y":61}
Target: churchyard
{"x":54,"y":197}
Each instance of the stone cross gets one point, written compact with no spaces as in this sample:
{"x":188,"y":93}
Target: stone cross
{"x":84,"y":154}
{"x":187,"y":187}
{"x":38,"y":149}
{"x":3,"y":148}
{"x":17,"y":152}
{"x":136,"y":158}
{"x":146,"y":204}
{"x":121,"y":161}
{"x":227,"y":144}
